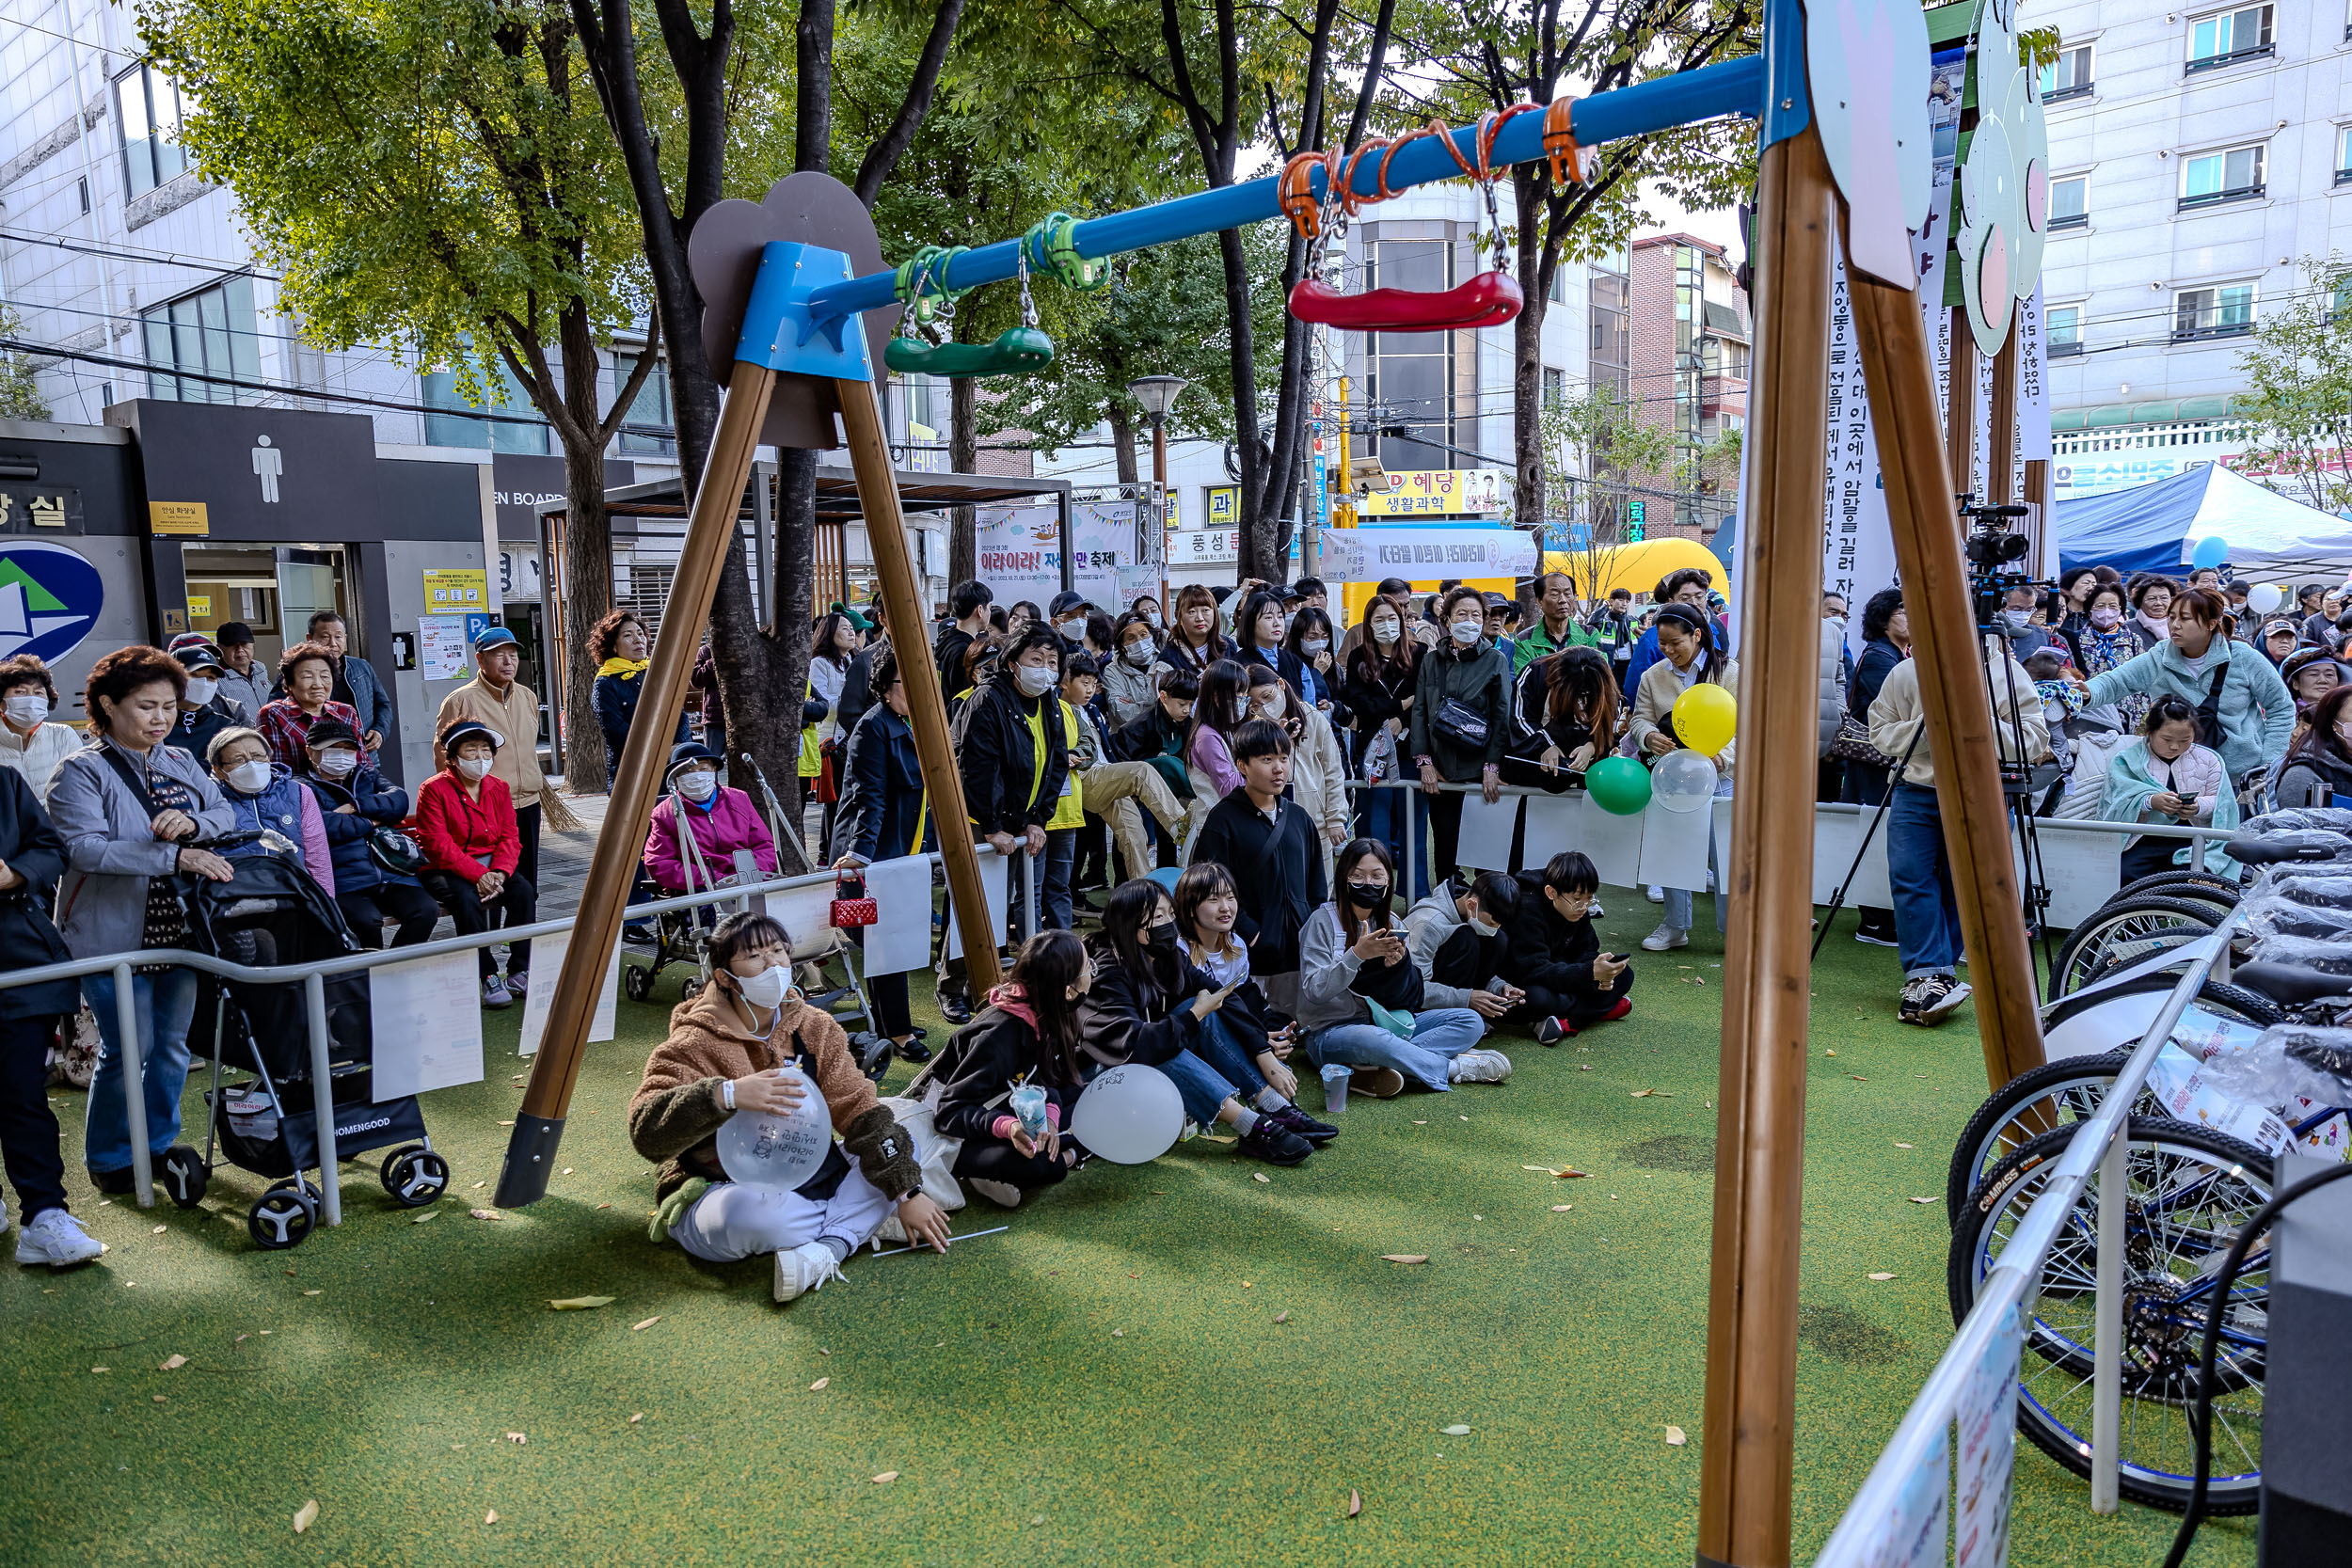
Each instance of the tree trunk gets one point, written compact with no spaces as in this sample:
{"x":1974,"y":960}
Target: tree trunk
{"x":587,"y":596}
{"x":1527,"y":358}
{"x":1124,"y":443}
{"x":963,"y":456}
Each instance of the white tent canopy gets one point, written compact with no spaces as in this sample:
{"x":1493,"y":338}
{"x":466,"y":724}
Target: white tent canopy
{"x":2156,"y":526}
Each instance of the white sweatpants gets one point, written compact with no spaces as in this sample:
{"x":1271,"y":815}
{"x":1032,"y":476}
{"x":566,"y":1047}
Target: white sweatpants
{"x":731,"y":1222}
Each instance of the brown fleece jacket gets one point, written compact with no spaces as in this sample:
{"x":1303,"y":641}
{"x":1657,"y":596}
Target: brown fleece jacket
{"x":676,"y":1114}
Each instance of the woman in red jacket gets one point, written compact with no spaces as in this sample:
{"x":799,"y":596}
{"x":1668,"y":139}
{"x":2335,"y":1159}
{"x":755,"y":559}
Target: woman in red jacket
{"x":466,"y":824}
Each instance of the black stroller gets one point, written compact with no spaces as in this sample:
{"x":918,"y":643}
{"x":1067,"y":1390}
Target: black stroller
{"x":272,"y":913}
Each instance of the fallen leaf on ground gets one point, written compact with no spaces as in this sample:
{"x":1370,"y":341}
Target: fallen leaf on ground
{"x":644,"y":1324}
{"x":160,"y":1229}
{"x":160,"y":1400}
{"x":1355,"y":1504}
{"x":1882,"y":1276}
{"x":1283,"y":1317}
{"x":1260,"y":1176}
{"x":427,"y":1216}
{"x":1923,"y":1200}
{"x":173,"y":1365}
{"x":491,"y":1517}
{"x":477,"y":1187}
{"x":604,"y":1205}
{"x":1857,"y":1078}
{"x":102,"y":1368}
{"x":580,"y":1304}
{"x":506,"y":1124}
{"x":314,"y":1293}
{"x":1645,"y":1094}
{"x":1829,"y":1053}
{"x":1456,"y":1430}
{"x":639,"y":1417}
{"x":517,"y":1437}
{"x":1422,"y":1123}
{"x":818,"y":1384}
{"x":1676,"y":1438}
{"x":885,"y":1477}
{"x":306,"y":1515}
{"x":1244,"y":1284}
{"x":1118,"y":1334}
{"x":568,"y":1170}
{"x":1902,"y":1146}
{"x":485,"y":1213}
{"x":1583,"y":1066}
{"x":1405,"y":1257}
{"x":1561,"y":1207}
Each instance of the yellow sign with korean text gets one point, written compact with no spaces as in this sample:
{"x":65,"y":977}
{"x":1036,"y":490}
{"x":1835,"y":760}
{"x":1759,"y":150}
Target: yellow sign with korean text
{"x":178,"y":517}
{"x":454,"y":591}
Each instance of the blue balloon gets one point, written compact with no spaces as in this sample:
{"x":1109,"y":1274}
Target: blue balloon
{"x":2210,"y":551}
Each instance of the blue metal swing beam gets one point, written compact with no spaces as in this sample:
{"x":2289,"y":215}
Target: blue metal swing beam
{"x":1732,"y":87}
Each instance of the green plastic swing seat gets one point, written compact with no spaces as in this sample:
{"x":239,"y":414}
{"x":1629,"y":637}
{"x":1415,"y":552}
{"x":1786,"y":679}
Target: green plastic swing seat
{"x":1016,"y":351}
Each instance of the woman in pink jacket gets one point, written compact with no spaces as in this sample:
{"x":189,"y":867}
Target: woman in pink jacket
{"x":723,"y":820}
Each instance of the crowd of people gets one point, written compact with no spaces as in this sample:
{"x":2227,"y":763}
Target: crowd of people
{"x":1180,"y":777}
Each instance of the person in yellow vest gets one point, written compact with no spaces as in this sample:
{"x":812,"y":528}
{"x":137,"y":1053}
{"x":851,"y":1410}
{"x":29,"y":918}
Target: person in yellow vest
{"x":1080,"y":671}
{"x":496,"y":698}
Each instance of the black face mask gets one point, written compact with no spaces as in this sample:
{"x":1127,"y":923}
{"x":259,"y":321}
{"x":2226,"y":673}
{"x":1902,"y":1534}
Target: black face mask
{"x":1160,"y":938}
{"x":1365,"y":894}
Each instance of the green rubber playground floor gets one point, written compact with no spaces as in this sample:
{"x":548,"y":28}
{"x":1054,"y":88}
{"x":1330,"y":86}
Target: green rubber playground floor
{"x":1169,"y":1364}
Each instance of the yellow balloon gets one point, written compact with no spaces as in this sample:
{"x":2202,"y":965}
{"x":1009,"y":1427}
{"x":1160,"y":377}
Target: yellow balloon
{"x":1703,"y":718}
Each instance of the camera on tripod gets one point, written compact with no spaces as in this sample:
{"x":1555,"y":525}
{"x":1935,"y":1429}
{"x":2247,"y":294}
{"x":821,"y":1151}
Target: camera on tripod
{"x":1992,"y":542}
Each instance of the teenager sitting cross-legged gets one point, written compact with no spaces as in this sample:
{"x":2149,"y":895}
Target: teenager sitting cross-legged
{"x":1555,"y":957}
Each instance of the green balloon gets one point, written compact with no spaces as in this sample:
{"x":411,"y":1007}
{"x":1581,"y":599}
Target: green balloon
{"x":1620,"y":786}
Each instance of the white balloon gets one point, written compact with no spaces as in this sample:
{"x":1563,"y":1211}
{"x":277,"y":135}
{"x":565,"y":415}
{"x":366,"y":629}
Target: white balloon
{"x":1683,"y":781}
{"x":1129,"y":1115}
{"x":777,"y":1151}
{"x":2266,"y":597}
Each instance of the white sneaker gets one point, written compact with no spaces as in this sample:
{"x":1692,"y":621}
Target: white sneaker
{"x":1002,"y":1194}
{"x":1664,"y":938}
{"x":1655,"y":895}
{"x":1478,"y":1067}
{"x":804,"y":1268}
{"x":56,"y":1238}
{"x":494,"y":995}
{"x":1594,"y":912}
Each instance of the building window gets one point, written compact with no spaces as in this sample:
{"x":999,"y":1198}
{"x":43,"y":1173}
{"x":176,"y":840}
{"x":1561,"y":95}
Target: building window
{"x":2063,"y":330}
{"x":2069,"y":202}
{"x":1555,"y":386}
{"x":2070,"y":77}
{"x":651,"y":426}
{"x":2225,"y":312}
{"x":1413,"y":372}
{"x":1559,"y":285}
{"x":150,"y":108}
{"x":209,"y":334}
{"x":2214,"y":178}
{"x":2344,"y":144}
{"x":2229,"y":37}
{"x":465,"y":429}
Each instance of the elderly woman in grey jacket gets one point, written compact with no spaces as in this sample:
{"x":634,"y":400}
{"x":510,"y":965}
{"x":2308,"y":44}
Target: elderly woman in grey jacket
{"x":131,"y":811}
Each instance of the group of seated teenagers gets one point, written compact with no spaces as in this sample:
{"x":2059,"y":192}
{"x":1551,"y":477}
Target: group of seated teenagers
{"x":1231,"y":987}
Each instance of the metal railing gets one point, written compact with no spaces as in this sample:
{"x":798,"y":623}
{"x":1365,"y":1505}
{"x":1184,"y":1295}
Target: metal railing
{"x":2013,"y":1284}
{"x":312,"y":977}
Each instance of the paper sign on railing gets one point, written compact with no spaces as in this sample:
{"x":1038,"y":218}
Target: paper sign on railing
{"x":1987,"y":1420}
{"x":425,"y":1015}
{"x":1920,"y":1525}
{"x":547,"y":962}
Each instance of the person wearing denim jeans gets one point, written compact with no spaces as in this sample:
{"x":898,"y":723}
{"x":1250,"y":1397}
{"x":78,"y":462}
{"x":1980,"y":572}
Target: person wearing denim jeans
{"x":1340,"y":978}
{"x":163,"y":1002}
{"x":1919,"y":875}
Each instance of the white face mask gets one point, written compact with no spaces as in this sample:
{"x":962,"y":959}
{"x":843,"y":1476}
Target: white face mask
{"x":1310,"y":647}
{"x":336,"y":764}
{"x":1468,"y":632}
{"x":1137,"y":654}
{"x":1384,"y":631}
{"x":1071,"y":626}
{"x":476,"y":768}
{"x":28,"y":707}
{"x":1484,"y":926}
{"x":698,"y":784}
{"x":1034,"y":679}
{"x":766,"y":988}
{"x":201,"y":690}
{"x":1153,"y":617}
{"x":249,"y":778}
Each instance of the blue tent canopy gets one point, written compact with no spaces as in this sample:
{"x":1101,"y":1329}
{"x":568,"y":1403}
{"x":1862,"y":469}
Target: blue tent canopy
{"x":2155,"y":527}
{"x":2138,"y":530}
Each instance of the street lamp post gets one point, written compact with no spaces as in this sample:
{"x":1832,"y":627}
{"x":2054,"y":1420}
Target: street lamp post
{"x":1156,"y":394}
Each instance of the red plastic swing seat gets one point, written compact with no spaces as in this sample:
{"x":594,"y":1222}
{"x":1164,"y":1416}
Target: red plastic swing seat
{"x":1489,"y":299}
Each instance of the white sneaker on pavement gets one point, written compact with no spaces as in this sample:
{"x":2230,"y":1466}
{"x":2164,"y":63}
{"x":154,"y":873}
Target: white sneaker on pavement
{"x":806,"y":1267}
{"x":1664,"y":938}
{"x":56,"y":1238}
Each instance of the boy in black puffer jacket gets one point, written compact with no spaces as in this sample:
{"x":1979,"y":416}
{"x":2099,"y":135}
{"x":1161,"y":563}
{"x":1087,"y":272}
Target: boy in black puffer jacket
{"x":1555,"y":955}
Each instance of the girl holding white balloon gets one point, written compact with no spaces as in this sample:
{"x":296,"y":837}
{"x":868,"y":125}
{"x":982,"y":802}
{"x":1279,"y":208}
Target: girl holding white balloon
{"x":1689,"y":658}
{"x":748,"y":1051}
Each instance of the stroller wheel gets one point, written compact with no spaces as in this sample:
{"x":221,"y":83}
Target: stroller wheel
{"x":691,"y":989}
{"x":415,"y":1177}
{"x":185,"y":1175}
{"x":636,"y":982}
{"x":283,"y":1216}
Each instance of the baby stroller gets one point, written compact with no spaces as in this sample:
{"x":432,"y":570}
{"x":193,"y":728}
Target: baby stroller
{"x":271,"y":912}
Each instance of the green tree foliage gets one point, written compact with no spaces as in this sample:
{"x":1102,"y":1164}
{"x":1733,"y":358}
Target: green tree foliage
{"x":433,"y":173}
{"x":20,"y":396}
{"x":2299,"y":380}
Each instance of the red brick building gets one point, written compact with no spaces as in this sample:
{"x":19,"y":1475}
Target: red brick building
{"x":1690,"y":341}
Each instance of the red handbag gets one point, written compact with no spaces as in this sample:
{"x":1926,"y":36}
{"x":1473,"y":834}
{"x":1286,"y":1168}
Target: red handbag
{"x":851,"y":907}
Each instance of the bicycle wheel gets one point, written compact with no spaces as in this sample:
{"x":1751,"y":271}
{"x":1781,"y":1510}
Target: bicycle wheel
{"x":2123,"y":932}
{"x":2189,"y":1191}
{"x":2056,"y":1094}
{"x":2218,"y":996}
{"x":2204,"y":886}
